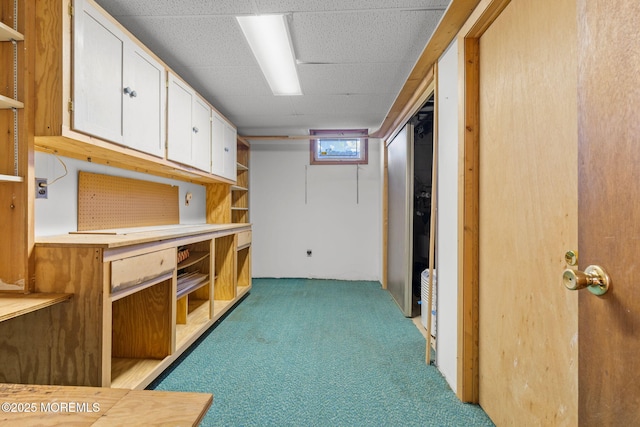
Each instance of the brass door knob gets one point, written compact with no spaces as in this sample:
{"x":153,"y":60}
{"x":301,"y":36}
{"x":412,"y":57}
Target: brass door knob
{"x":594,"y":278}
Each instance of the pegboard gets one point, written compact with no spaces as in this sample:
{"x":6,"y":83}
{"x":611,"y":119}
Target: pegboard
{"x":107,"y":202}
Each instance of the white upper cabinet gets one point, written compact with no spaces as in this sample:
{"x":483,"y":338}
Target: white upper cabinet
{"x":201,"y":134}
{"x":189,"y":126}
{"x":223,"y":148}
{"x":118,"y":89}
{"x":145,"y":102}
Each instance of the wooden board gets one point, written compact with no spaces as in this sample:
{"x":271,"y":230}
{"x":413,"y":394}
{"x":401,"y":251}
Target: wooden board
{"x":95,"y":406}
{"x":528,"y":214}
{"x":135,"y":270}
{"x":14,"y":305}
{"x":106,"y":201}
{"x":218,"y":203}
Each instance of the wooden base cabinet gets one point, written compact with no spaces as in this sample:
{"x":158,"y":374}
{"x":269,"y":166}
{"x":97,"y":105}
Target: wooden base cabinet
{"x":139,"y":301}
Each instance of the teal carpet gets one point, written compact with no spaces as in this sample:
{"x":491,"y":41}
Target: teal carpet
{"x":301,"y":352}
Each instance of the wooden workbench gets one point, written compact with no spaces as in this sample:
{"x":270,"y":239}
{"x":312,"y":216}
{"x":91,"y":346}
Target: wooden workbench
{"x":42,"y":405}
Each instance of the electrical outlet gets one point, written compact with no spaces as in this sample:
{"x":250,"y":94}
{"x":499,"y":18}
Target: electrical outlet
{"x":309,"y":253}
{"x":42,"y":191}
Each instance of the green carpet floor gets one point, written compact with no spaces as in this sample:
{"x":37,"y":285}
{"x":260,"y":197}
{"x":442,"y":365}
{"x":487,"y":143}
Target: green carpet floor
{"x":301,"y":352}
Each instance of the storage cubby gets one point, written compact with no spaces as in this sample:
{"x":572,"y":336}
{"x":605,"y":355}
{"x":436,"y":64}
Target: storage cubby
{"x":194,"y":289}
{"x":141,"y":333}
{"x":225,"y":284}
{"x":244,"y":268}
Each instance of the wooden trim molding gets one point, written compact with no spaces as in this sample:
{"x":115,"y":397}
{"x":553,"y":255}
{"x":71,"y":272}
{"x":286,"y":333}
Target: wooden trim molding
{"x":468,"y":247}
{"x":468,"y":226}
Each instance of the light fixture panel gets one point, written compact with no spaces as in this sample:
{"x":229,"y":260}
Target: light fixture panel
{"x":268,"y":37}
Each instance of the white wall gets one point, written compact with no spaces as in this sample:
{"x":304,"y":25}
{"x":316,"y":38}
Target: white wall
{"x":447,"y":219}
{"x":58,"y":214}
{"x":295,"y":206}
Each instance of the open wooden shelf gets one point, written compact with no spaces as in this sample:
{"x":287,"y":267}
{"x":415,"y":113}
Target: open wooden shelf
{"x":197,"y":319}
{"x":10,"y":178}
{"x":7,"y":33}
{"x":191,"y":283}
{"x":13,"y":304}
{"x":133,"y":373}
{"x":194,"y":257}
{"x":6,"y":103}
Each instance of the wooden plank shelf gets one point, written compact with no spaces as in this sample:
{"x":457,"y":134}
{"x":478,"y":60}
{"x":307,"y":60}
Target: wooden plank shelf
{"x":238,"y":188}
{"x":239,"y":209}
{"x":7,"y":33}
{"x":191,"y":283}
{"x":242,"y":167}
{"x":194,"y":257}
{"x":10,"y":178}
{"x":7,"y":103}
{"x":13,"y":304}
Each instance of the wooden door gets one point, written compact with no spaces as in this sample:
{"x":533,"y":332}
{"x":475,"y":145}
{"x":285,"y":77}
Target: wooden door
{"x":528,"y":214}
{"x":98,"y":51}
{"x":609,"y":210}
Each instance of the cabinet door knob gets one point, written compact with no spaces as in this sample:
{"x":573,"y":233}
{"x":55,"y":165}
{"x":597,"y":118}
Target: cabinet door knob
{"x":195,"y":130}
{"x":128,"y":91}
{"x":226,"y":149}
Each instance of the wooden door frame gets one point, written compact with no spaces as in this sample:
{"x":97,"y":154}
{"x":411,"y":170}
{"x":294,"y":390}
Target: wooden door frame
{"x":468,"y":195}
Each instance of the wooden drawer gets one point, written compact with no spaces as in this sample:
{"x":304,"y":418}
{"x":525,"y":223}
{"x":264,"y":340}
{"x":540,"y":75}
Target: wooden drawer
{"x":244,"y":239}
{"x":133,"y":271}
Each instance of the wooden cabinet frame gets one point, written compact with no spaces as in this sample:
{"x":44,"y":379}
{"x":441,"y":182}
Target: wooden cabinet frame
{"x":123,"y":337}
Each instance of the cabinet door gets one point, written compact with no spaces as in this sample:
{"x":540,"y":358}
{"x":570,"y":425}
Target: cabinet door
{"x":97,"y":74}
{"x":217,"y":144}
{"x":230,"y":152}
{"x":144,"y":102}
{"x":201,"y":135}
{"x":179,"y":102}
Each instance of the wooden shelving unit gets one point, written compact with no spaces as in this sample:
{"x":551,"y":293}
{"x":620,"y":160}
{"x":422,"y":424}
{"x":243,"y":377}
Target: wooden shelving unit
{"x":240,"y":191}
{"x":122,"y":336}
{"x":194,"y":289}
{"x":129,"y":313}
{"x":16,"y":222}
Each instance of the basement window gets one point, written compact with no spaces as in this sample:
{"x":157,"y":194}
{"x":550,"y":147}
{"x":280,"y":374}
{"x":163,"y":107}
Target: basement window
{"x":339,"y":147}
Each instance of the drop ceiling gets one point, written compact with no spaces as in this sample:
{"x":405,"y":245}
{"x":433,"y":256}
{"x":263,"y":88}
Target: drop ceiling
{"x":353,"y":56}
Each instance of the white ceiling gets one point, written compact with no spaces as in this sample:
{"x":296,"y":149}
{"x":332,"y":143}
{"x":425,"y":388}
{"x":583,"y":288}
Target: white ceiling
{"x":353,"y":56}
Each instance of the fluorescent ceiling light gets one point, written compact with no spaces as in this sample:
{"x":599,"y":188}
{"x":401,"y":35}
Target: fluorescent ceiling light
{"x":268,"y":37}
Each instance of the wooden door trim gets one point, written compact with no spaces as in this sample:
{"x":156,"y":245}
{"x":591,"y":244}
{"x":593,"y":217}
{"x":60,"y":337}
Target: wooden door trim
{"x":468,"y":213}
